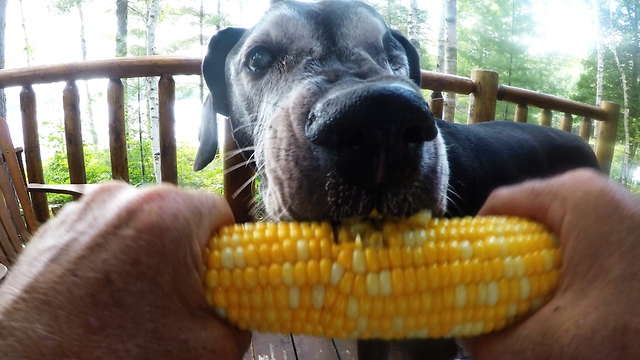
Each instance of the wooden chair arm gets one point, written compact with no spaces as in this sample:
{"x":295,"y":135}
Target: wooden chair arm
{"x":69,"y":189}
{"x":3,"y":272}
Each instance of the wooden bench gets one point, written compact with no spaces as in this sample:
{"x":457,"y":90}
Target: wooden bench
{"x":483,"y":89}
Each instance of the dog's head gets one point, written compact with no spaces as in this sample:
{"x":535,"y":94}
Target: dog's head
{"x":324,"y":101}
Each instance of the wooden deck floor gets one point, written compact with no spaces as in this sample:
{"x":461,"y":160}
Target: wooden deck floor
{"x":290,"y":347}
{"x":296,"y":347}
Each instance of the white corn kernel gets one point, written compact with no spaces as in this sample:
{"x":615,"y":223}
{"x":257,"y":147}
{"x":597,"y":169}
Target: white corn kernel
{"x":336,"y":273}
{"x":317,"y":296}
{"x":294,"y":297}
{"x":386,"y":287}
{"x":460,"y":299}
{"x":238,"y":258}
{"x":288,"y":274}
{"x":493,"y":294}
{"x":226,"y":258}
{"x":303,"y":250}
{"x":359,"y":265}
{"x":373,"y":284}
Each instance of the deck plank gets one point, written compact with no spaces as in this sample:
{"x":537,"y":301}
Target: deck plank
{"x":347,"y":349}
{"x":316,"y":348}
{"x":287,"y":347}
{"x":272,"y":347}
{"x":249,"y":354}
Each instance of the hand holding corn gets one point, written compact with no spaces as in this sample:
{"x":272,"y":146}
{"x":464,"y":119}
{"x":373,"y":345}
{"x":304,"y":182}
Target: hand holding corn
{"x":411,"y":278}
{"x":594,"y":313}
{"x":117,"y":275}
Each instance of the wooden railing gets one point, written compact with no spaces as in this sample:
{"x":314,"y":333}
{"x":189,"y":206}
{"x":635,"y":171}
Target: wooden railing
{"x":115,"y":70}
{"x":483,"y":90}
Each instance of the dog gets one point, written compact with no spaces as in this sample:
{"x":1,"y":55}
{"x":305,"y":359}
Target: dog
{"x":324,"y":103}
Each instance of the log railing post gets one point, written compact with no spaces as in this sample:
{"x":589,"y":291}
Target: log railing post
{"x":73,"y":133}
{"x":567,"y":122}
{"x":545,"y":117}
{"x":521,"y":114}
{"x":483,"y":100}
{"x":117,"y":131}
{"x":168,"y":153}
{"x":436,"y":103}
{"x":607,"y":133}
{"x":238,"y":177}
{"x":32,"y":155}
{"x":586,"y":126}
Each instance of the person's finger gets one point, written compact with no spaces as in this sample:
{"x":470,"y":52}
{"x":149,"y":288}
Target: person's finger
{"x":544,"y":200}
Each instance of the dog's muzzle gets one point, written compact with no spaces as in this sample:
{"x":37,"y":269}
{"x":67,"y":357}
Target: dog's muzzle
{"x":373,"y":132}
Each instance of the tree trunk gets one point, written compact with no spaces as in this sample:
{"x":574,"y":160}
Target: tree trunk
{"x":27,"y":44}
{"x":414,"y":26}
{"x":440,"y":63}
{"x":624,"y":173}
{"x":83,"y":45}
{"x":451,"y":56}
{"x":202,"y":46}
{"x":3,"y":26}
{"x":152,"y":86}
{"x":600,"y":53}
{"x":511,"y":52}
{"x":122,"y":12}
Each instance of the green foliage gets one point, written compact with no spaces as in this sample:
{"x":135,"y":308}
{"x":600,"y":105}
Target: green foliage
{"x":620,"y":32}
{"x":396,"y":16}
{"x":210,"y":178}
{"x":493,"y":34}
{"x":98,"y":169}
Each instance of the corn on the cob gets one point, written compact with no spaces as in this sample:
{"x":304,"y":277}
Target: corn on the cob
{"x":417,"y":277}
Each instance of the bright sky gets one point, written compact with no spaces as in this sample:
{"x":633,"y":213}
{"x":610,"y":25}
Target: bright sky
{"x":55,"y":39}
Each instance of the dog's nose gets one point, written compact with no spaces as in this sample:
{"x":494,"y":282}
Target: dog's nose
{"x":374,"y":132}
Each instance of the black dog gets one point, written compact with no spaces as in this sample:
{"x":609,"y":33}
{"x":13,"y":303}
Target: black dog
{"x":324,"y":101}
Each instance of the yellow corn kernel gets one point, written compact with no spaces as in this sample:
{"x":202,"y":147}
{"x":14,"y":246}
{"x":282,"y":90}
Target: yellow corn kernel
{"x":391,"y":278}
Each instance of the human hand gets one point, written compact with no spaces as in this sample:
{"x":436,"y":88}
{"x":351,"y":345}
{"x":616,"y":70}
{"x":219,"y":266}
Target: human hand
{"x":594,"y":313}
{"x":117,"y":274}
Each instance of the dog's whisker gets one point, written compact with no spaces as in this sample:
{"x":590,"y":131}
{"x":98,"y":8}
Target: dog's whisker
{"x":236,"y":167}
{"x":241,"y":127}
{"x":243,"y":187}
{"x":232,"y":153}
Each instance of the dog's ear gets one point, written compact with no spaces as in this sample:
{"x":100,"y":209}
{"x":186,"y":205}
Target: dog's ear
{"x":412,"y":56}
{"x":208,"y":135}
{"x":213,"y":66}
{"x":213,"y":69}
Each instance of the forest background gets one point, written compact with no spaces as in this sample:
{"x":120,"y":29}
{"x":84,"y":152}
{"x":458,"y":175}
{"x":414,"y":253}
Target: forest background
{"x":586,"y":50}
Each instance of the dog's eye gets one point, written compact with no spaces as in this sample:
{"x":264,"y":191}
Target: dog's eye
{"x":260,"y":59}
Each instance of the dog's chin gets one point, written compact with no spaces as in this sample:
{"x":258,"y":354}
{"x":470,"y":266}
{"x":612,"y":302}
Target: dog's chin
{"x":347,"y":201}
{"x":342,"y":200}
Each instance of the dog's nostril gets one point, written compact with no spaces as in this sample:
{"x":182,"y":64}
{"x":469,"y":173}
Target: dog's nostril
{"x":348,"y":138}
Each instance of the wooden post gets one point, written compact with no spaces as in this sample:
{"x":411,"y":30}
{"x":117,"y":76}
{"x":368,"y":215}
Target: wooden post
{"x":73,"y":133}
{"x":482,"y":102}
{"x":117,"y":131}
{"x":168,"y":155}
{"x":521,"y":114}
{"x":545,"y":117}
{"x":32,"y":155}
{"x":436,"y":103}
{"x":238,"y":177}
{"x":567,"y":122}
{"x":607,"y":134}
{"x":586,"y":126}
